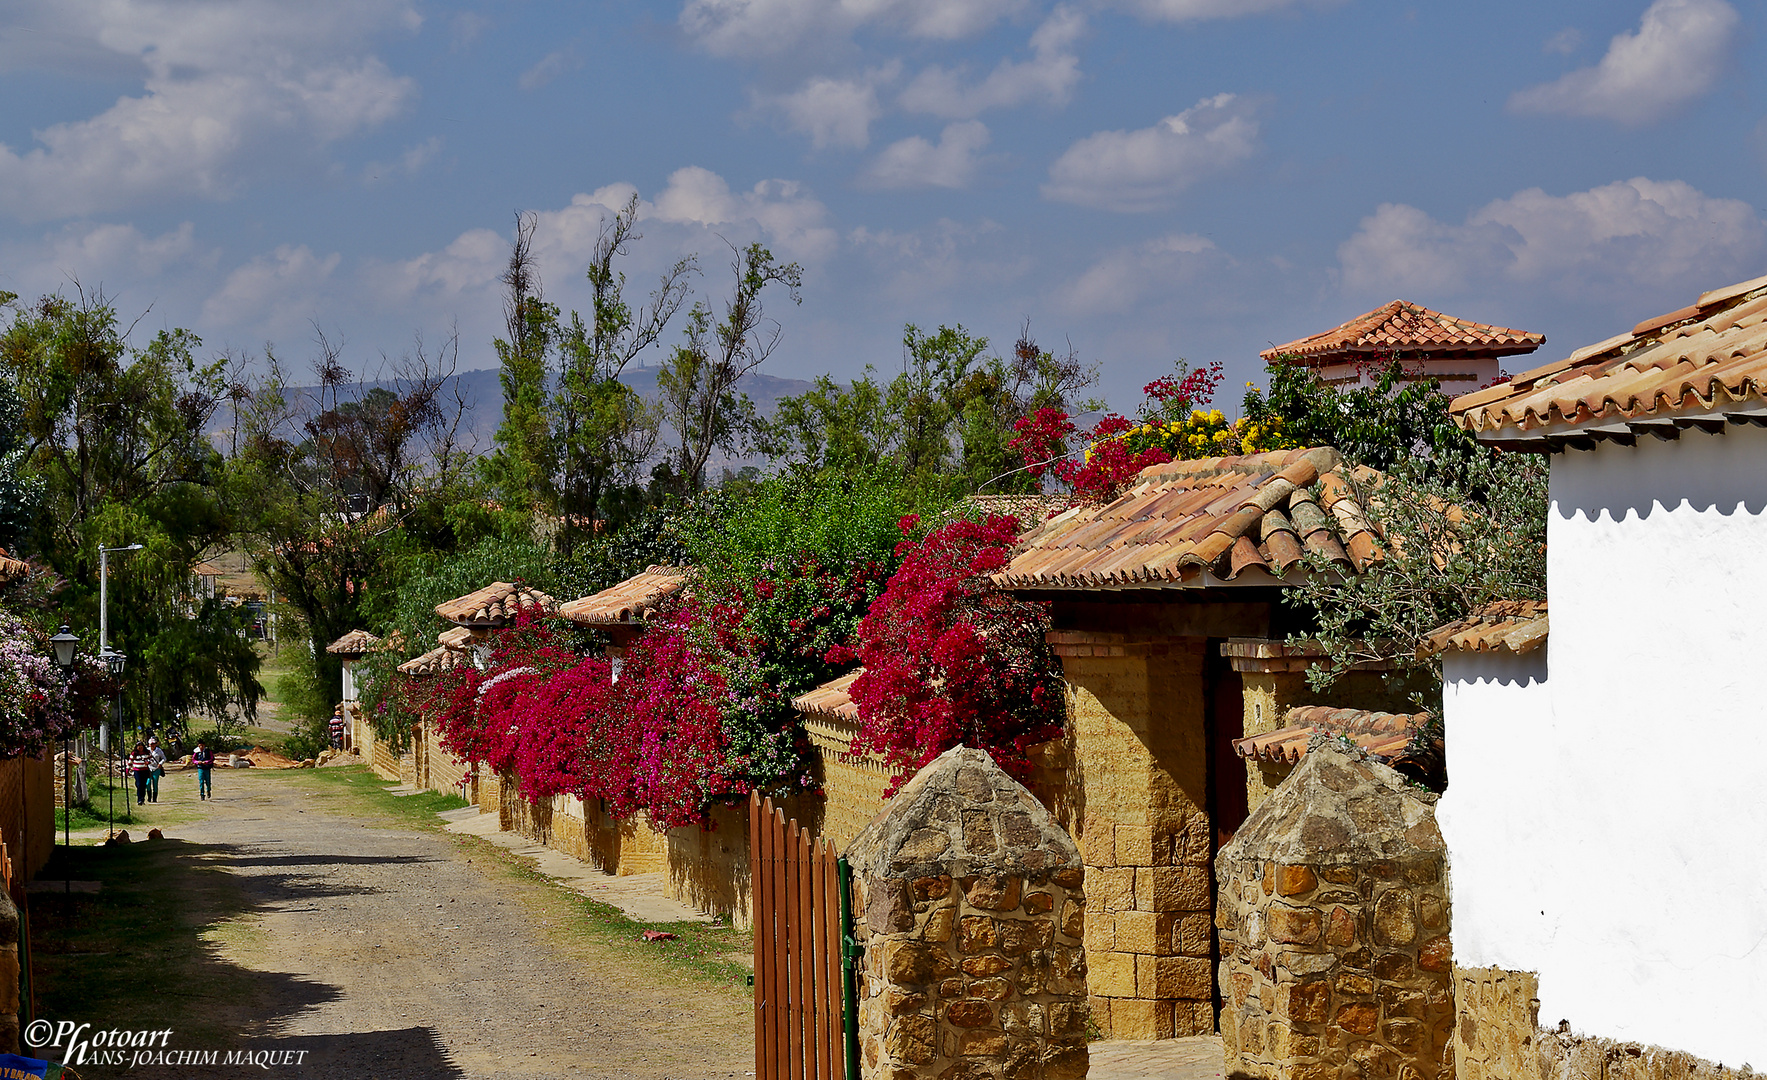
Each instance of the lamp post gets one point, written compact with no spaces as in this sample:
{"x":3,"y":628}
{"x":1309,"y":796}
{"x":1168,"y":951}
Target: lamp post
{"x":64,"y":644}
{"x":104,"y":623}
{"x":114,"y":662}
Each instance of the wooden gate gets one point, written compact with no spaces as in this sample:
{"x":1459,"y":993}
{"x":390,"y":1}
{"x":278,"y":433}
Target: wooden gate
{"x":801,"y":988}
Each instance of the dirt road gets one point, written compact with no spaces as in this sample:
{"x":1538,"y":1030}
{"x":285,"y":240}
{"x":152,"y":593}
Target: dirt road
{"x":388,"y":950}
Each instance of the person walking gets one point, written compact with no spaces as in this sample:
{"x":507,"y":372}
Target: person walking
{"x":204,"y":760}
{"x":140,"y":766}
{"x":159,"y":768}
{"x":337,"y":728}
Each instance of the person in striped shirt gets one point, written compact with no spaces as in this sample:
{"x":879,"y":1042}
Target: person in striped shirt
{"x":141,"y":765}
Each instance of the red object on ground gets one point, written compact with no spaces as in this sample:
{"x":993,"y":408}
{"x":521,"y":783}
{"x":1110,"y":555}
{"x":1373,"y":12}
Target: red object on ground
{"x":658,"y":935}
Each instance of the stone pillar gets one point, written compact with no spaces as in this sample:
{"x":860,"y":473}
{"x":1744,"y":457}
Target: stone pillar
{"x":1334,"y":927}
{"x":1136,"y":710}
{"x":968,"y":900}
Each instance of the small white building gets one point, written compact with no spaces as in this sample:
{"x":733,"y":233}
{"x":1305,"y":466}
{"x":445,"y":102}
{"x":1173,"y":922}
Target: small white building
{"x":350,"y":649}
{"x":1460,"y":354}
{"x":1607,"y":811}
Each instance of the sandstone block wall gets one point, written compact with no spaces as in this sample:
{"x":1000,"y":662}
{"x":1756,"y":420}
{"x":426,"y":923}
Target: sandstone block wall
{"x":1137,"y":785}
{"x":1333,"y":923}
{"x":708,"y":866}
{"x":970,"y":904}
{"x":853,"y":785}
{"x":1498,"y":1037}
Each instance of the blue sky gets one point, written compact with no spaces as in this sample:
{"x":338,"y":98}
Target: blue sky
{"x":1146,"y":179}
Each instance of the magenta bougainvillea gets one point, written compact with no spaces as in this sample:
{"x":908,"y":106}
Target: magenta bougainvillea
{"x":951,"y":661}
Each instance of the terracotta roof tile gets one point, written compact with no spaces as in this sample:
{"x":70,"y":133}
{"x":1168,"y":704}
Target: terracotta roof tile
{"x":832,"y":699}
{"x":354,"y":643}
{"x":1515,"y":626}
{"x":630,"y":601}
{"x":1384,"y":734}
{"x":1406,"y":328}
{"x":1221,"y":515}
{"x":1707,"y":361}
{"x":495,"y":604}
{"x":439,"y":659}
{"x":12,"y":569}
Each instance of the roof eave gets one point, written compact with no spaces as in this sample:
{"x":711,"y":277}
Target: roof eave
{"x":1553,"y":437}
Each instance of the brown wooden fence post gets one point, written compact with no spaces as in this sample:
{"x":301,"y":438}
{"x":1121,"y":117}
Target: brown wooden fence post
{"x":799,"y":1034}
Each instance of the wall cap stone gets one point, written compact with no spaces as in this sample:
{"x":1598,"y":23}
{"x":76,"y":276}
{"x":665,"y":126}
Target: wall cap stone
{"x":962,"y":815}
{"x":1338,"y":806}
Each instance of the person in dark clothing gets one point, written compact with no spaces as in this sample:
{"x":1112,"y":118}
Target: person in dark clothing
{"x":204,"y":760}
{"x":141,"y":765}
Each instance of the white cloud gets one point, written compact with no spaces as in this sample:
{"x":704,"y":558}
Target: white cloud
{"x":1629,"y":238}
{"x":914,"y":162}
{"x":770,"y":27}
{"x":549,"y":67}
{"x":687,"y":216}
{"x":280,"y":292}
{"x":1679,"y":52}
{"x":835,"y":112}
{"x":98,"y":256}
{"x":1050,"y":75}
{"x":1120,"y":279}
{"x":789,"y":217}
{"x":1147,"y":168}
{"x":1197,"y":10}
{"x":231,"y":89}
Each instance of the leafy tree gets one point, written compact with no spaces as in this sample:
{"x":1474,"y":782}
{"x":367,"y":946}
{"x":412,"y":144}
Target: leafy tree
{"x":604,"y":430}
{"x":1457,"y":535}
{"x":114,"y":439}
{"x":1462,"y":525}
{"x":946,"y":422}
{"x":521,"y":467}
{"x":698,"y":382}
{"x":1396,"y":420}
{"x":325,"y":480}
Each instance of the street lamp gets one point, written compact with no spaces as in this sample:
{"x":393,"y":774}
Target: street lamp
{"x":104,"y":622}
{"x":64,"y":644}
{"x":114,"y":662}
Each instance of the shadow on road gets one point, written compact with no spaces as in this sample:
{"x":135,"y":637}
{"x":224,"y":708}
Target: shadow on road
{"x":143,"y":954}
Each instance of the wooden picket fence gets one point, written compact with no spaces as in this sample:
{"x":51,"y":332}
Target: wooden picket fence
{"x":800,"y":988}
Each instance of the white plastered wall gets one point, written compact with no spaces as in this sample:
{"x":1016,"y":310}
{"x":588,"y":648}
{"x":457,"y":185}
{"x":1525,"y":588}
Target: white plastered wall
{"x":1607,"y":826}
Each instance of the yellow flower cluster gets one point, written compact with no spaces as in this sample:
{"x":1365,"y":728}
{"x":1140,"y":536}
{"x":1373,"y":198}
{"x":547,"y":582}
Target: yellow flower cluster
{"x":1204,"y":434}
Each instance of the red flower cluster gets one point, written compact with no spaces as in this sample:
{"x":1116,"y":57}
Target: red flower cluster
{"x":1045,"y":438}
{"x":950,"y":661}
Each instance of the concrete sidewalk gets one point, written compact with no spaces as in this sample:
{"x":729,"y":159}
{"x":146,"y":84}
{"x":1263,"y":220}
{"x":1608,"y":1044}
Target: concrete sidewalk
{"x":639,"y":896}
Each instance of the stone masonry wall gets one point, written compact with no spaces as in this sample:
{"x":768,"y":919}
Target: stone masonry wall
{"x":1498,"y":1037}
{"x":1139,"y":780}
{"x":1333,"y":924}
{"x":972,"y":915}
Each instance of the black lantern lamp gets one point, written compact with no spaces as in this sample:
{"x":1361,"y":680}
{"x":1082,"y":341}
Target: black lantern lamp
{"x":64,"y":644}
